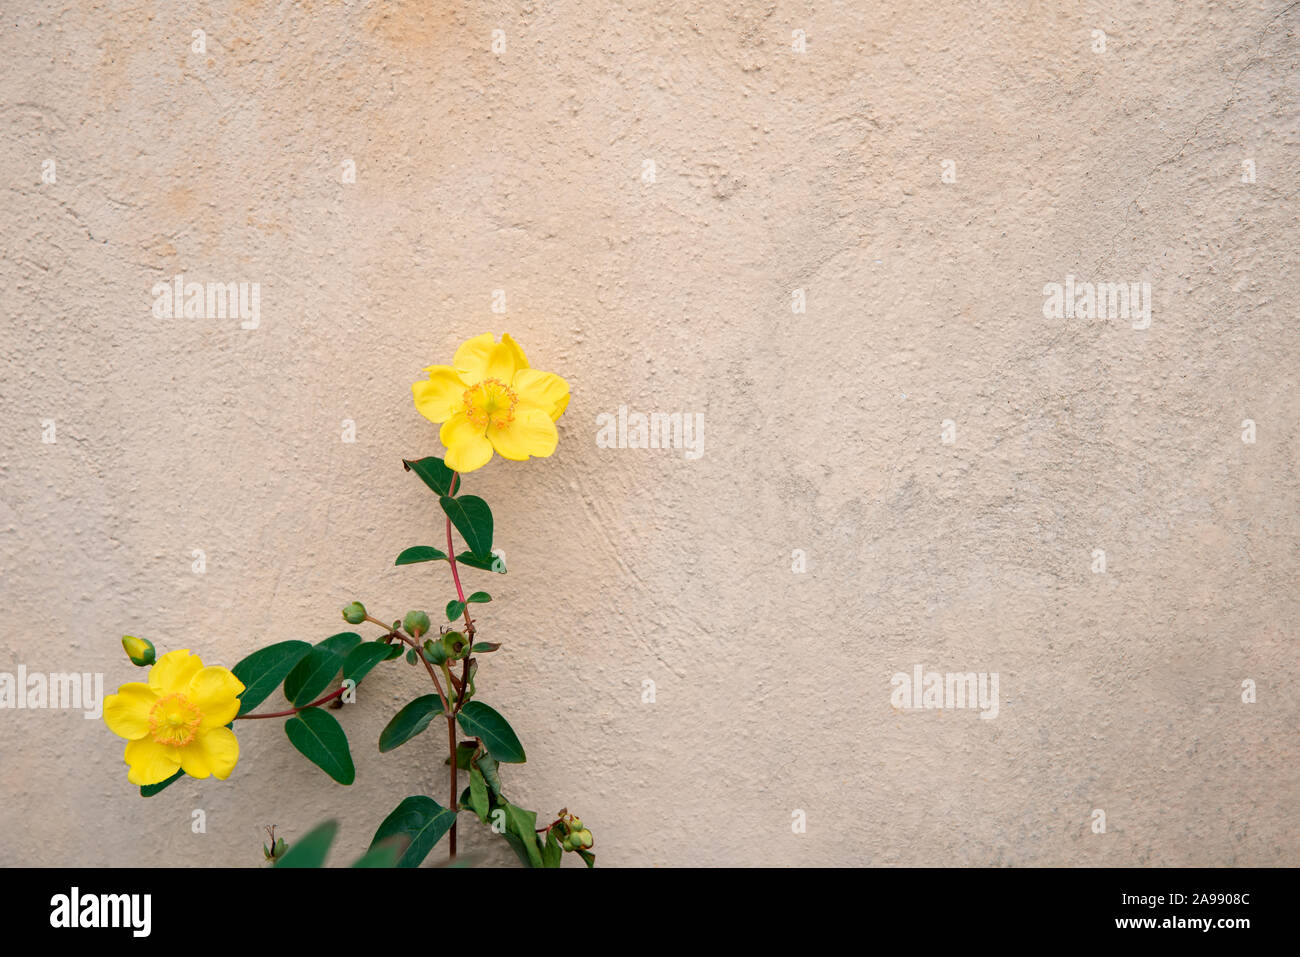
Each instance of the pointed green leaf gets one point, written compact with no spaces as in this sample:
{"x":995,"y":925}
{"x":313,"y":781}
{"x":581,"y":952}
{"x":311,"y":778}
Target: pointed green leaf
{"x":552,"y":853}
{"x":524,"y":825}
{"x":481,"y":597}
{"x":319,"y":736}
{"x":364,"y":657}
{"x":587,"y":857}
{"x":263,"y":670}
{"x":410,"y":721}
{"x":497,"y":736}
{"x":384,"y":854}
{"x":419,"y":553}
{"x":473,"y":519}
{"x":489,"y":563}
{"x":454,"y":610}
{"x":422,"y":821}
{"x":465,"y":752}
{"x":311,"y":849}
{"x":343,"y":642}
{"x":434,"y":473}
{"x":313,"y":674}
{"x":487,"y":766}
{"x":149,"y":790}
{"x":478,"y":794}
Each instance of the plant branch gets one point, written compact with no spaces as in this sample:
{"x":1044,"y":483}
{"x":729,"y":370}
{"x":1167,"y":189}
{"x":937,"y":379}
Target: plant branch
{"x":455,"y":573}
{"x":460,"y":700}
{"x":419,"y":653}
{"x":284,"y":714}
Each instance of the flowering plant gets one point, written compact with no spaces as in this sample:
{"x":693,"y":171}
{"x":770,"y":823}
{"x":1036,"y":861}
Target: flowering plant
{"x":180,"y":720}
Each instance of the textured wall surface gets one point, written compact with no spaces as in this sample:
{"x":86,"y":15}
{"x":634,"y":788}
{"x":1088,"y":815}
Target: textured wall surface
{"x":526,"y":169}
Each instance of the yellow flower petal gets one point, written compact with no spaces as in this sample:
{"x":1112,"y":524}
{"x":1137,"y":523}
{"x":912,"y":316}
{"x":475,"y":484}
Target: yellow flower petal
{"x":127,"y":712}
{"x":545,"y":390}
{"x":483,"y":358}
{"x":471,"y":358}
{"x":458,"y":429}
{"x":467,"y":448}
{"x":438,"y":398}
{"x":222,"y":749}
{"x":505,"y":360}
{"x":531,"y":433}
{"x":172,"y":673}
{"x":213,"y":752}
{"x":151,"y":762}
{"x":215,"y":692}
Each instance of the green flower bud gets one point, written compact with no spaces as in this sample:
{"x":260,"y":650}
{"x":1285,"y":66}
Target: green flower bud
{"x":416,"y":623}
{"x":139,"y":650}
{"x":455,"y":645}
{"x":434,"y":651}
{"x":584,"y":838}
{"x":355,"y":613}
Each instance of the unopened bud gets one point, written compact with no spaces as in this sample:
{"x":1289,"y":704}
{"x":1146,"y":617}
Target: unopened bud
{"x":434,"y":651}
{"x":416,"y":623}
{"x":139,"y":650}
{"x":355,"y":613}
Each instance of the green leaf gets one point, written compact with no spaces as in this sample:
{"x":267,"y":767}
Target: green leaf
{"x":552,"y":853}
{"x":419,"y":553}
{"x":319,"y":736}
{"x":263,"y":670}
{"x":497,"y":736}
{"x":395,"y":650}
{"x":149,"y":790}
{"x":465,"y":752}
{"x":473,"y":519}
{"x":343,"y":642}
{"x":364,"y":657}
{"x":311,"y":849}
{"x":489,"y":563}
{"x":314,"y":673}
{"x":478,"y":794}
{"x":524,"y":825}
{"x":481,"y":597}
{"x":384,"y":854}
{"x":410,"y":656}
{"x":433,"y":471}
{"x":410,"y":721}
{"x":483,"y":647}
{"x":588,"y":857}
{"x":487,"y":766}
{"x":419,"y":819}
{"x":517,"y":846}
{"x":454,"y":609}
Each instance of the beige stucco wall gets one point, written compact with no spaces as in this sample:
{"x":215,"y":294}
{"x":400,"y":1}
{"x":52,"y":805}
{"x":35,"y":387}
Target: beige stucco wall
{"x":774,"y":171}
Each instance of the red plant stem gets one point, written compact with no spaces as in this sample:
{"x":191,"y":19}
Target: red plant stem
{"x":455,"y":574}
{"x":282,"y":714}
{"x":451,"y":745}
{"x":451,"y":718}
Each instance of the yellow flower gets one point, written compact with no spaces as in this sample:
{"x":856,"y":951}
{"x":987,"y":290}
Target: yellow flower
{"x":489,"y":398}
{"x":178,"y":720}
